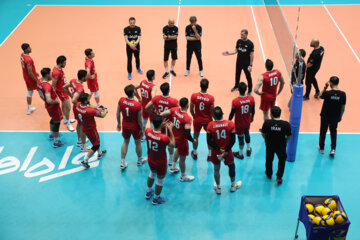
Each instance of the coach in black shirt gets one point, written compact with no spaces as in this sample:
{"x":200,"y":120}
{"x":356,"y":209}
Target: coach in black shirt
{"x":245,"y":57}
{"x":170,"y":35}
{"x":277,"y":134}
{"x":193,"y":33}
{"x":132,"y":35}
{"x":331,"y":113}
{"x":312,"y":67}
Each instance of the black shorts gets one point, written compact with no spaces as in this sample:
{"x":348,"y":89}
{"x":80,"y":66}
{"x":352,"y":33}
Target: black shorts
{"x":167,"y":53}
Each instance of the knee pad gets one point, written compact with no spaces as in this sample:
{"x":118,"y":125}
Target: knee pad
{"x":232,"y":170}
{"x":54,"y":126}
{"x":95,"y":148}
{"x":160,"y":181}
{"x":247,"y":137}
{"x":217,"y":170}
{"x":30,"y":93}
{"x":241,"y":140}
{"x":152,"y":175}
{"x":97,"y":94}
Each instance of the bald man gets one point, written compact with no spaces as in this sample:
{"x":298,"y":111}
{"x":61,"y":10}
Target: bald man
{"x":312,"y":67}
{"x":170,"y":34}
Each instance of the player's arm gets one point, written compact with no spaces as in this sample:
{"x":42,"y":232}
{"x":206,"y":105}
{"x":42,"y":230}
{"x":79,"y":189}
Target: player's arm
{"x":54,"y":81}
{"x":197,"y":34}
{"x":227,"y":53}
{"x":149,"y":107}
{"x":49,"y":100}
{"x":88,"y":74}
{"x":75,"y":98}
{"x":342,"y":110}
{"x":322,"y":96}
{"x":118,"y":117}
{"x":140,"y":122}
{"x":66,"y":88}
{"x":172,"y":37}
{"x":138,"y":40}
{"x":103,"y":113}
{"x":153,"y":92}
{"x":231,"y":142}
{"x":137,"y":86}
{"x":282,"y":84}
{"x":288,"y":134}
{"x":258,"y":85}
{"x":30,"y":72}
{"x":210,"y":142}
{"x":252,"y":112}
{"x":192,"y":109}
{"x":187,"y":35}
{"x":188,"y":133}
{"x":251,"y":61}
{"x":232,"y":113}
{"x":165,"y":113}
{"x":170,"y":126}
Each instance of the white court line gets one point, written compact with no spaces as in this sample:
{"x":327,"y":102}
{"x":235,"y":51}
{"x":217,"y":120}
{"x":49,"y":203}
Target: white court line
{"x":18,"y":25}
{"x":342,"y":34}
{"x":258,"y":33}
{"x":177,"y":24}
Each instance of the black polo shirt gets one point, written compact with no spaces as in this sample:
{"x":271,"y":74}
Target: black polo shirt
{"x":315,"y":59}
{"x":189,"y":32}
{"x":333,"y":100}
{"x":132,"y":33}
{"x":244,"y":48}
{"x":170,"y":31}
{"x":276,"y":132}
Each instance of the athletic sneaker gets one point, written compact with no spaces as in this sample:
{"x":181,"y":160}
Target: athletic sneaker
{"x":85,"y":148}
{"x":123,"y":165}
{"x":193,"y":155}
{"x":268,"y":177}
{"x":51,"y":137}
{"x":85,"y":164}
{"x":332,"y":153}
{"x":248,"y":152}
{"x":159,"y":200}
{"x":321,"y":150}
{"x":186,"y":178}
{"x":208,"y":158}
{"x":187,"y":73}
{"x":102,"y":153}
{"x":143,"y":138}
{"x":317,"y":94}
{"x":234,"y":89}
{"x":30,"y":110}
{"x":173,"y":73}
{"x":236,"y":186}
{"x":70,"y":127}
{"x":59,"y":144}
{"x":69,"y":121}
{"x":140,"y":71}
{"x":129,"y":76}
{"x":238,"y":155}
{"x":142,"y":161}
{"x":306,"y":98}
{"x":201,"y":74}
{"x":217,"y":189}
{"x":279,"y":180}
{"x":170,"y":163}
{"x":165,"y":75}
{"x":148,"y":195}
{"x":174,"y":170}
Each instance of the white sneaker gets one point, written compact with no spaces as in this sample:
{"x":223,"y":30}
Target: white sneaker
{"x":79,"y":143}
{"x":187,"y":73}
{"x":30,"y":110}
{"x":332,"y":153}
{"x":201,"y":74}
{"x":186,"y":178}
{"x":174,"y":170}
{"x":72,"y":120}
{"x":70,"y":127}
{"x":141,"y":161}
{"x":170,"y":163}
{"x":217,"y":188}
{"x":236,"y":186}
{"x":143,"y":138}
{"x":123,"y":165}
{"x":321,"y":150}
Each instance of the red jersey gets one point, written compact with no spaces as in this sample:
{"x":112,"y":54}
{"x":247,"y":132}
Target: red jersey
{"x":220,"y":132}
{"x":243,"y":106}
{"x":45,"y":87}
{"x":89,"y":63}
{"x":179,"y":119}
{"x":130,"y":110}
{"x":75,"y":86}
{"x":146,"y":88}
{"x":26,"y":61}
{"x":164,"y":103}
{"x":58,"y":74}
{"x":86,"y":116}
{"x":270,"y":83}
{"x":156,"y":145}
{"x":203,"y":103}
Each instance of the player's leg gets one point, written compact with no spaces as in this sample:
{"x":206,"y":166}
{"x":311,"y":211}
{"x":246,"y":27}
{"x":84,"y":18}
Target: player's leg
{"x":308,"y":81}
{"x":138,"y":149}
{"x":144,"y":121}
{"x":316,"y":86}
{"x":173,"y":61}
{"x":323,"y":129}
{"x":333,"y":133}
{"x":269,"y":161}
{"x":90,"y":153}
{"x":232,"y":174}
{"x":199,"y":60}
{"x":248,"y":78}
{"x":65,"y":106}
{"x":189,"y":52}
{"x":240,"y":154}
{"x":124,"y":149}
{"x":238,"y":70}
{"x":158,"y":188}
{"x":129,"y":53}
{"x":150,"y":183}
{"x":174,"y":168}
{"x":171,"y":155}
{"x":281,"y":154}
{"x":217,"y":185}
{"x":183,"y":149}
{"x":84,"y":146}
{"x":56,"y":116}
{"x":30,"y":109}
{"x":195,"y":144}
{"x":247,"y":140}
{"x":137,"y":59}
{"x":166,"y":65}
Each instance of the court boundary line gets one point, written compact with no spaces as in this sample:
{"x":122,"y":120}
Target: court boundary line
{"x":258,"y":33}
{"x":177,"y":24}
{"x":342,"y":34}
{"x":195,"y":5}
{"x":46,"y":131}
{"x":22,"y":20}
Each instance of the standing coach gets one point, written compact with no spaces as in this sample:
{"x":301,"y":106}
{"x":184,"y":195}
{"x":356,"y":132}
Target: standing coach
{"x":331,"y":113}
{"x":193,"y":33}
{"x":170,"y":35}
{"x":245,"y":57}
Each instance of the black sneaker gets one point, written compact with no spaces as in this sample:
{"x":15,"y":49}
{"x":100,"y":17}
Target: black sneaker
{"x":306,"y":98}
{"x":102,"y":153}
{"x":85,"y":164}
{"x":279,"y":180}
{"x":165,"y":75}
{"x":238,"y":155}
{"x":194,"y":156}
{"x":317,"y":94}
{"x":234,"y":89}
{"x":173,"y":73}
{"x":248,"y":152}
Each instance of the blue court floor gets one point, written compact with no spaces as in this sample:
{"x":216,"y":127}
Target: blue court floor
{"x":44,"y":194}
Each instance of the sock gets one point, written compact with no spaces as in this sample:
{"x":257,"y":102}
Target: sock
{"x":156,"y":196}
{"x":167,"y":69}
{"x":29,"y":106}
{"x":56,"y":140}
{"x":232,"y":183}
{"x":172,"y":68}
{"x":139,"y":159}
{"x":86,"y":159}
{"x":171,"y":158}
{"x":79,"y":141}
{"x":122,"y":160}
{"x":194,"y":151}
{"x":149,"y":189}
{"x":248,"y":145}
{"x":241,"y":150}
{"x":209,"y":153}
{"x":183,"y":174}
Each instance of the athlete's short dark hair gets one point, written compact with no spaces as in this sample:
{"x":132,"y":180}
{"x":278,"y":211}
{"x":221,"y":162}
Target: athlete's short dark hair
{"x":193,"y":19}
{"x":165,"y":88}
{"x":302,"y":53}
{"x":244,"y":31}
{"x":81,"y":74}
{"x":242,"y":88}
{"x":25,"y":46}
{"x":45,"y":71}
{"x":334,"y":80}
{"x":60,"y":59}
{"x":204,"y":84}
{"x":131,"y":19}
{"x":218,"y":113}
{"x":150,"y":74}
{"x":88,"y":52}
{"x":157,"y":121}
{"x":83,"y":98}
{"x":183,"y":102}
{"x":275,"y":111}
{"x":129,"y":90}
{"x":269,"y":64}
